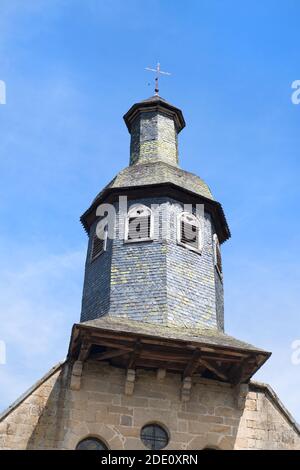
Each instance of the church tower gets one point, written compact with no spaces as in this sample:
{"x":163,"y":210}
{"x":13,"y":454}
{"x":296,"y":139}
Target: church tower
{"x":160,"y":274}
{"x":154,"y":259}
{"x":149,"y":364}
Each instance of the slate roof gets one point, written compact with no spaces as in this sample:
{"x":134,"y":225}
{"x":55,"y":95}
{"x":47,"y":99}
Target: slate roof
{"x":212,"y":337}
{"x":156,"y":98}
{"x":157,"y":103}
{"x":158,"y":172}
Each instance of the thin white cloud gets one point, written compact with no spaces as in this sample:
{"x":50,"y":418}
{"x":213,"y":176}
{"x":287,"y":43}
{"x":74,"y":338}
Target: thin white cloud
{"x":39,"y":302}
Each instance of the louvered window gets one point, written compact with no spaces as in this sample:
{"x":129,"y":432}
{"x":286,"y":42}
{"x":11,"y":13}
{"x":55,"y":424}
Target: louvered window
{"x":189,"y":233}
{"x":98,"y":246}
{"x":99,"y":240}
{"x":139,"y":224}
{"x":139,"y":228}
{"x":217,"y":254}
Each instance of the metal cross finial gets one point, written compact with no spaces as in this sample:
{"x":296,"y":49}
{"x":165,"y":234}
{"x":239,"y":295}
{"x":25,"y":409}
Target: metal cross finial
{"x":158,"y":72}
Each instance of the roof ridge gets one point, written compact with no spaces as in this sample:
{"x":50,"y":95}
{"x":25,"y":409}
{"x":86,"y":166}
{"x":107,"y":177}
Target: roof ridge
{"x":32,"y":389}
{"x":276,"y":400}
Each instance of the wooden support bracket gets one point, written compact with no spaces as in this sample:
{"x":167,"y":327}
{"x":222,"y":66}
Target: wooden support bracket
{"x":193,"y":364}
{"x":84,"y":350}
{"x":134,"y":355}
{"x":76,"y":374}
{"x":213,"y":368}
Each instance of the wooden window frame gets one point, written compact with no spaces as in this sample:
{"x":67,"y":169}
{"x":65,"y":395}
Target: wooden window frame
{"x":192,"y":220}
{"x":216,"y":245}
{"x":97,"y":439}
{"x":134,"y":213}
{"x":103,"y":228}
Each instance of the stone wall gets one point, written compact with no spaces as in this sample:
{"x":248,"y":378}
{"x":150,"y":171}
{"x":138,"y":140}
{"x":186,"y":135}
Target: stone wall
{"x":53,"y":416}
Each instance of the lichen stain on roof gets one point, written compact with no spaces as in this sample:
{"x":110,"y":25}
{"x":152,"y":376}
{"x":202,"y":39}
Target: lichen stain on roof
{"x":158,"y":172}
{"x":208,"y":336}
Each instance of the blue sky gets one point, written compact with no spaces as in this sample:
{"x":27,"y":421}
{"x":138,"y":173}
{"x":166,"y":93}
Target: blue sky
{"x":72,"y":68}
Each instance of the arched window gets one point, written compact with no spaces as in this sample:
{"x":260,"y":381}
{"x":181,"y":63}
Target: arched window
{"x":154,"y":437}
{"x":139,"y":224}
{"x":91,"y":443}
{"x":217,"y":254}
{"x":188,"y":231}
{"x":99,"y":242}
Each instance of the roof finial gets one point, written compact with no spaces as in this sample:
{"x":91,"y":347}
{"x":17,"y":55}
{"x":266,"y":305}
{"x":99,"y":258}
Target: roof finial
{"x":158,"y":72}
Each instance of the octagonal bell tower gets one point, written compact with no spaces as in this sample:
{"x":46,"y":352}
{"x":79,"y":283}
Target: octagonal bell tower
{"x":157,"y":275}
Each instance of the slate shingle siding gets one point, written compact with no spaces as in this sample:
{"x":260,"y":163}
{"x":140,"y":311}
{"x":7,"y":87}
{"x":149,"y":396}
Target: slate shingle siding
{"x":191,"y":289}
{"x":153,"y":137}
{"x":96,"y":287}
{"x":158,"y":281}
{"x":219,"y":298}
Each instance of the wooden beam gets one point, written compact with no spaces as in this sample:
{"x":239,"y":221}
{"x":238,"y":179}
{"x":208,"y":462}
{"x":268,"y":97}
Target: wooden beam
{"x":166,"y":345}
{"x":102,"y":335}
{"x":236,"y":372}
{"x":84,"y":349}
{"x":213,"y":368}
{"x":192,"y":364}
{"x":134,"y":355}
{"x":129,"y":337}
{"x":219,"y":350}
{"x":165,"y":357}
{"x":112,"y":344}
{"x":109,"y":354}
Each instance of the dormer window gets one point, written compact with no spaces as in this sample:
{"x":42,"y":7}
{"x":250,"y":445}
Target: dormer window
{"x":217,"y":254}
{"x":139,"y":224}
{"x":188,"y":231}
{"x":99,"y":239}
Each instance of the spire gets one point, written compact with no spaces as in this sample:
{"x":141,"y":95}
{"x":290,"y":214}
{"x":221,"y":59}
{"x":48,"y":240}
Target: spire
{"x":154,"y":125}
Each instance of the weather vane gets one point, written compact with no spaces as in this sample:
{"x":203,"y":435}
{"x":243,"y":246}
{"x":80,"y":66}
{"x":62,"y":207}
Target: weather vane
{"x":158,"y":73}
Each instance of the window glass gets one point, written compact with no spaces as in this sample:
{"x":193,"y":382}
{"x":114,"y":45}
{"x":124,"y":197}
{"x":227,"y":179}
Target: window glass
{"x":154,"y":437}
{"x":91,"y":443}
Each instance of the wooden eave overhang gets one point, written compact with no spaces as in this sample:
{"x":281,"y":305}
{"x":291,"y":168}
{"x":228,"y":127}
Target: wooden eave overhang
{"x":154,"y":105}
{"x":132,"y":350}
